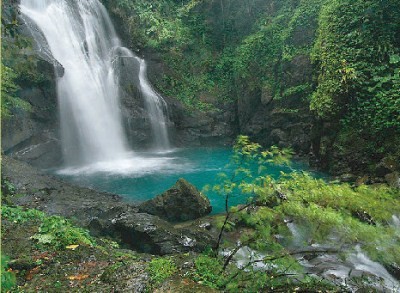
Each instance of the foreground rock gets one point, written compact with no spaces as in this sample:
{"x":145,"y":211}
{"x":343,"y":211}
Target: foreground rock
{"x":181,"y":202}
{"x":101,"y":213}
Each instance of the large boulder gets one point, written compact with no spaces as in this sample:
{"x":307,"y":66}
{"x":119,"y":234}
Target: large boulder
{"x":181,"y":202}
{"x":150,"y":234}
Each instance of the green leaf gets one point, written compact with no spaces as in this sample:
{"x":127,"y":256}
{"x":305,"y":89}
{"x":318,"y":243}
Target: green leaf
{"x":43,"y":238}
{"x":394,"y":59}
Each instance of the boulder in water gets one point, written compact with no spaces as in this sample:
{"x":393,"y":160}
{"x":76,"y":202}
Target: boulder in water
{"x":181,"y":202}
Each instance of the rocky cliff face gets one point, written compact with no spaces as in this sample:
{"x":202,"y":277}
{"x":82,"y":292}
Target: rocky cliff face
{"x":33,"y":136}
{"x":195,"y":127}
{"x":272,"y":108}
{"x":265,"y":114}
{"x":284,"y":122}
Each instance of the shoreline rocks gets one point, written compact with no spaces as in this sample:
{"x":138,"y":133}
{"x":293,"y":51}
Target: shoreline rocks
{"x":102,"y":213}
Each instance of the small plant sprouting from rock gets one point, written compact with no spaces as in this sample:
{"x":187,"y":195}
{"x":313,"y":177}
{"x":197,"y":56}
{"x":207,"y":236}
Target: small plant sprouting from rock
{"x":207,"y":270}
{"x":160,"y":269}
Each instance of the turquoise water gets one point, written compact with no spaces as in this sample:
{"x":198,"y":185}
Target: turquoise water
{"x":147,"y":174}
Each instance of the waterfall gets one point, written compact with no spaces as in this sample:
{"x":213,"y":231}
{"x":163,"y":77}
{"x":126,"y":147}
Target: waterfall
{"x":156,"y":108}
{"x":82,"y":39}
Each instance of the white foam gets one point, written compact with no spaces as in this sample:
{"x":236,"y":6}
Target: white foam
{"x":133,"y":166}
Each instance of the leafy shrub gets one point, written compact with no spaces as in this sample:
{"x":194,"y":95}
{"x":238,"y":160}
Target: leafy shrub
{"x":208,"y":271}
{"x":53,"y":230}
{"x":161,"y":269}
{"x":7,"y":188}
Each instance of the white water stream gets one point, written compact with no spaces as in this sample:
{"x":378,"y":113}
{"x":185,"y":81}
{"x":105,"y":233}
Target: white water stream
{"x":156,"y":108}
{"x":82,"y":39}
{"x":342,"y":271}
{"x":346,"y":272}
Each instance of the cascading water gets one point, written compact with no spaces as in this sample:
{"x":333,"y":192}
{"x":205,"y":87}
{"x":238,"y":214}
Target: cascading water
{"x":82,"y":39}
{"x":155,"y":105}
{"x":339,"y":270}
{"x":156,"y":108}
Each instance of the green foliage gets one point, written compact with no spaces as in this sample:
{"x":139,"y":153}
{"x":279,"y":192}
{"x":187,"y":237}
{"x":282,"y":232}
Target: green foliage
{"x":356,"y":57}
{"x":280,"y":36}
{"x":213,"y":50}
{"x":7,"y":188}
{"x":160,"y":22}
{"x":174,"y":28}
{"x":8,"y":279}
{"x":216,"y":52}
{"x":9,"y":88}
{"x":207,"y":271}
{"x":59,"y":233}
{"x":9,"y":18}
{"x":52,"y":231}
{"x":18,"y":215}
{"x":251,"y":182}
{"x":355,"y":215}
{"x":356,"y":53}
{"x":303,"y":89}
{"x":245,"y":155}
{"x":378,"y":201}
{"x":160,"y":269}
{"x":18,"y":64}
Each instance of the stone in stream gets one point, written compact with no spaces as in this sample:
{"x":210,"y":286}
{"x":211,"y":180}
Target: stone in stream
{"x":182,"y":202}
{"x":394,"y":270}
